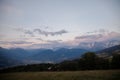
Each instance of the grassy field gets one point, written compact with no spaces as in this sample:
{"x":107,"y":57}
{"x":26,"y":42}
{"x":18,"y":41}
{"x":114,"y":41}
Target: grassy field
{"x":68,"y":75}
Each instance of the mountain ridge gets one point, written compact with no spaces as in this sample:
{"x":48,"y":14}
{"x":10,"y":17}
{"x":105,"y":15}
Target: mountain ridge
{"x":18,"y":56}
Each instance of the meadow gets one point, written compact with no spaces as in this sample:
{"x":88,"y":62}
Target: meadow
{"x":64,"y":75}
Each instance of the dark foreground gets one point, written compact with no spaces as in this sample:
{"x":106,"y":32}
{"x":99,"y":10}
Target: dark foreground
{"x":68,"y":75}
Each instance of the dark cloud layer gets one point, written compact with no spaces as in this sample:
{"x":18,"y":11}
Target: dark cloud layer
{"x":46,"y":33}
{"x":41,"y":32}
{"x":89,"y":36}
{"x":29,"y":32}
{"x":102,"y":36}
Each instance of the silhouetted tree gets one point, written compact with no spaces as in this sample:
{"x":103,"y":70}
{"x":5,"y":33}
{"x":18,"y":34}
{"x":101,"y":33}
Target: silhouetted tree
{"x":89,"y":60}
{"x":115,"y":64}
{"x":102,"y":63}
{"x":68,"y":65}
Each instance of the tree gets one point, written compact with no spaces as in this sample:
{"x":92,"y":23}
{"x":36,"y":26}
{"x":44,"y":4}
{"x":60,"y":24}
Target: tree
{"x":89,"y":60}
{"x":116,"y":61}
{"x":102,"y":63}
{"x":68,"y":65}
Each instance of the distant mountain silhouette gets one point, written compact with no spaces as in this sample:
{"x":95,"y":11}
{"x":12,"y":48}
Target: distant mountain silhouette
{"x":18,"y":56}
{"x":57,"y":55}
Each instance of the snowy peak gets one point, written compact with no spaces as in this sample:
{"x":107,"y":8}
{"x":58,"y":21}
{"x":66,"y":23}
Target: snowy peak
{"x":94,"y":46}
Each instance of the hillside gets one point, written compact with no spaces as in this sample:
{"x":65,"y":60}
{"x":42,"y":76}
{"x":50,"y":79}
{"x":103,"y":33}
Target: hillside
{"x":109,"y":51}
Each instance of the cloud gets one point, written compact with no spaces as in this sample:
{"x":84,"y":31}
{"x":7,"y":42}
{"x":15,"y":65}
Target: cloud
{"x":38,"y":42}
{"x":46,"y":33}
{"x":29,"y":33}
{"x":83,"y":40}
{"x":40,"y":32}
{"x":50,"y":44}
{"x":90,"y":36}
{"x":54,"y":41}
{"x":97,"y":31}
{"x":25,"y":31}
{"x":20,"y":42}
{"x":102,"y":36}
{"x":39,"y":39}
{"x":15,"y":42}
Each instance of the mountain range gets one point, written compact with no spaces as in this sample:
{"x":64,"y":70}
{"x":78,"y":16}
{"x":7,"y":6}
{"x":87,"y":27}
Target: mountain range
{"x":18,"y":56}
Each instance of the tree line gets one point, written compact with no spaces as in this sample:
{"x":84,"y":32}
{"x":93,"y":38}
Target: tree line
{"x":88,"y":61}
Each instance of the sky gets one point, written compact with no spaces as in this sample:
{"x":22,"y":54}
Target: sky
{"x":57,"y":23}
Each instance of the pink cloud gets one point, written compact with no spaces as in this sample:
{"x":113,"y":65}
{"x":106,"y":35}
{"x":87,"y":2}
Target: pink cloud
{"x":103,"y":36}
